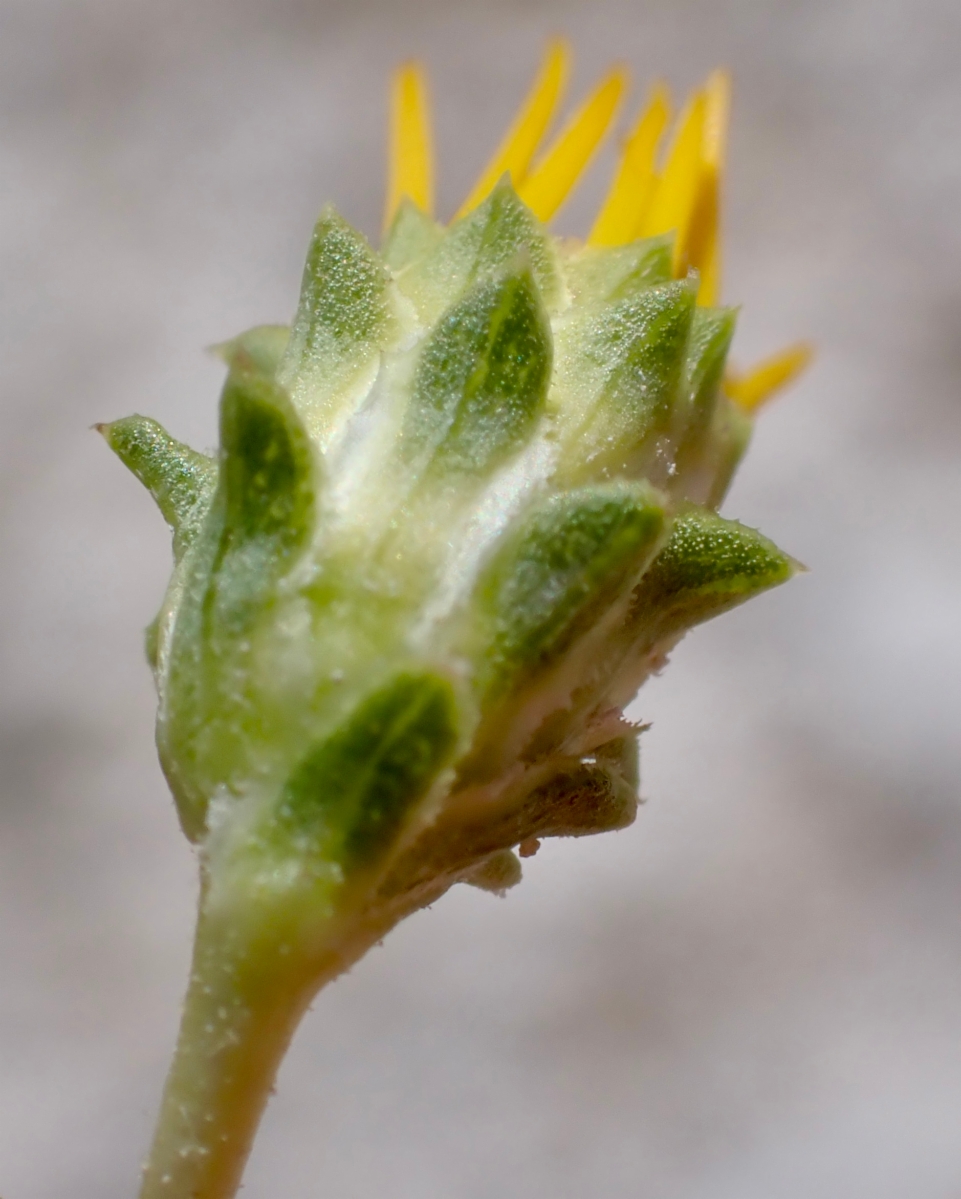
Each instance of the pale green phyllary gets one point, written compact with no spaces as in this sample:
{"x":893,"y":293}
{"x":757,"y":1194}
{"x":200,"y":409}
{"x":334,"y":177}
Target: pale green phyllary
{"x":462,"y":508}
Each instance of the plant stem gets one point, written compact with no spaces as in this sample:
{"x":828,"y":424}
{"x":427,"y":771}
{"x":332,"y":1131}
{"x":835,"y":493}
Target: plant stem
{"x":249,"y":987}
{"x":267,"y":939}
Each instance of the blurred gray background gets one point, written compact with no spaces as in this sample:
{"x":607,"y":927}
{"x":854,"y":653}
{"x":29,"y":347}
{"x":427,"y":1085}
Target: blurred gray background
{"x":752,"y":993}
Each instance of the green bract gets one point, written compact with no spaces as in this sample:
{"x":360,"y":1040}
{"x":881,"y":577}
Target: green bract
{"x":461,"y":509}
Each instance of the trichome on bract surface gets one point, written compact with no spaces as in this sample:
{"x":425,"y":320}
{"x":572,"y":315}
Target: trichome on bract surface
{"x":462,"y":508}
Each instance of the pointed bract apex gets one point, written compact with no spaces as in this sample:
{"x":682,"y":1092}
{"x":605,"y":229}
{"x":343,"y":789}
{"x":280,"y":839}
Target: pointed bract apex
{"x":481,"y":244}
{"x":708,"y":566}
{"x":342,"y":321}
{"x":262,"y":348}
{"x":180,"y":479}
{"x":412,"y":235}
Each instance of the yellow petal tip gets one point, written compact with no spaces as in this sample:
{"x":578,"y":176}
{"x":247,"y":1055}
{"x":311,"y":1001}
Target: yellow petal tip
{"x":516,"y":152}
{"x":758,"y":385}
{"x":411,"y":154}
{"x":622,"y":214}
{"x":564,"y":162}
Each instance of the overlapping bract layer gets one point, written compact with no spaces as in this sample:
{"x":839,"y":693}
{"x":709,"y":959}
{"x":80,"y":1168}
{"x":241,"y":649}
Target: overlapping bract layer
{"x":462,"y":508}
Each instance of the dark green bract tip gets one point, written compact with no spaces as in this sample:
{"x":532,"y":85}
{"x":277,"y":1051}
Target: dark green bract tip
{"x":350,"y":796}
{"x":708,"y":566}
{"x":265,"y":462}
{"x":482,"y":378}
{"x":560,"y":569}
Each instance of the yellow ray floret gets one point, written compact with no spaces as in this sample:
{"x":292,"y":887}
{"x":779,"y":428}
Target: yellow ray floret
{"x":411,"y":161}
{"x":620,"y":218}
{"x":674,"y":199}
{"x":759,"y":384}
{"x":548,"y":184}
{"x":703,"y":236}
{"x":709,"y":289}
{"x":683,"y":198}
{"x":517,"y":150}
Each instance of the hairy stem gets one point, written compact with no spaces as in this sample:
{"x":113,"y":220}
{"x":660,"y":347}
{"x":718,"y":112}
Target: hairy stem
{"x":260,"y":956}
{"x":248,"y":990}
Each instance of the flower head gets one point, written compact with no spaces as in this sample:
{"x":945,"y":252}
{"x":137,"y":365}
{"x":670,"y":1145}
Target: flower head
{"x":463,"y":506}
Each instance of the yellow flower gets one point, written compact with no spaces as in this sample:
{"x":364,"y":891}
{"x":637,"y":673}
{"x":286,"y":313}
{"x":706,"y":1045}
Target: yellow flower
{"x":654,"y":190}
